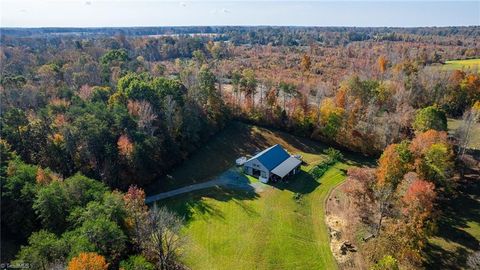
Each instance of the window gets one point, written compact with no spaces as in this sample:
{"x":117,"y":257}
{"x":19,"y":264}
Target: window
{"x":264,"y":174}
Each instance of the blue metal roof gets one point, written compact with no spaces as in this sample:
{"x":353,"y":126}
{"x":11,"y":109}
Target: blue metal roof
{"x":272,"y":156}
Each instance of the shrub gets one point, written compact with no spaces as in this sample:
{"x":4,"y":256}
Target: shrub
{"x":334,"y":155}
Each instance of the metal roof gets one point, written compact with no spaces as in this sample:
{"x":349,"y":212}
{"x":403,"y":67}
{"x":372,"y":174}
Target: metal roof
{"x":287,"y":166}
{"x":272,"y":156}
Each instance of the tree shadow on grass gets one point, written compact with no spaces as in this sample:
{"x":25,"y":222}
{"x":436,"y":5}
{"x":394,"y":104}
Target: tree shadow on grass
{"x":456,"y":213}
{"x":193,"y":204}
{"x":439,"y":258}
{"x":302,"y":183}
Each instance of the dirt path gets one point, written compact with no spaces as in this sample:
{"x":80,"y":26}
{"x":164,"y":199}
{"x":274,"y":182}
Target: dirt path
{"x":231,"y":179}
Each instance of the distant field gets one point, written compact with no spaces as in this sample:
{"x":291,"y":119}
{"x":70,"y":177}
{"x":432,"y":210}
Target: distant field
{"x":454,"y":124}
{"x":469,"y":64}
{"x":229,"y":229}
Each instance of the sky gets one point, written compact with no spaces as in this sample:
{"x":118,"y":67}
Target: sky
{"x":120,"y":13}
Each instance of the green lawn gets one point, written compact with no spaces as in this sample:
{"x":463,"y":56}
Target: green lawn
{"x":228,"y":229}
{"x":469,"y":64}
{"x":269,"y":230}
{"x":454,"y":124}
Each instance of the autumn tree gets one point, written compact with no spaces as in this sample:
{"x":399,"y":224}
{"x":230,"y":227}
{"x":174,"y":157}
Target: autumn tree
{"x":306,"y":63}
{"x":394,"y":162}
{"x":88,"y":261}
{"x":418,"y":207}
{"x":330,"y":118}
{"x":382,"y":64}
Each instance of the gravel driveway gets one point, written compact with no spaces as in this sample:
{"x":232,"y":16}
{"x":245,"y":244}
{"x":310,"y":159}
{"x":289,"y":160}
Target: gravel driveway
{"x":232,"y":178}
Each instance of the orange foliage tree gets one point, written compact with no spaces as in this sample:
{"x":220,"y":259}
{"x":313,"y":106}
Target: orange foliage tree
{"x":393,"y":164}
{"x":88,"y":261}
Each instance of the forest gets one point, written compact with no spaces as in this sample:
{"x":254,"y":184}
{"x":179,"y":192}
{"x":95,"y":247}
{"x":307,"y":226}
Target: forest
{"x":90,"y":117}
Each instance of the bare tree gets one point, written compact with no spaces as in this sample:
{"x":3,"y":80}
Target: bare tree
{"x":146,"y":116}
{"x":464,"y":132}
{"x":473,"y":261}
{"x":173,"y":116}
{"x":160,"y":237}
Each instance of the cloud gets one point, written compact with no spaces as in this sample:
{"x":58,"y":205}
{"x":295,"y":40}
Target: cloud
{"x":224,"y":10}
{"x":88,"y":3}
{"x":183,"y":4}
{"x":23,"y":10}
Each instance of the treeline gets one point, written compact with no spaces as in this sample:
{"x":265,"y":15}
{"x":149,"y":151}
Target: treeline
{"x":262,"y":35}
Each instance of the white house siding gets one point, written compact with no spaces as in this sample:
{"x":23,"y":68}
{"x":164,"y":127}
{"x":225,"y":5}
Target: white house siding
{"x":255,"y":164}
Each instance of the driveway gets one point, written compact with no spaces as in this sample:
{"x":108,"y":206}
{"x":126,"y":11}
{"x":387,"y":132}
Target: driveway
{"x":232,"y":178}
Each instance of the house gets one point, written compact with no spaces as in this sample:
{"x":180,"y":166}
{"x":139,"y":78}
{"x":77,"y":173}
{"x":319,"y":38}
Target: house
{"x":273,"y":163}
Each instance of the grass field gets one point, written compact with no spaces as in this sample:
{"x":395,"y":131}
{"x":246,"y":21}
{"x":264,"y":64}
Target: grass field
{"x":453,"y":124}
{"x":270,"y":229}
{"x":469,"y":64}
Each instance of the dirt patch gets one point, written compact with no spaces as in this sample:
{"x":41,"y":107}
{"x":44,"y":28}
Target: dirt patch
{"x":341,"y":222}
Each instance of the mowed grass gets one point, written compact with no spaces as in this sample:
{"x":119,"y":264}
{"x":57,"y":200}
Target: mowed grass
{"x":468,"y":64}
{"x":454,"y":124}
{"x":229,"y":229}
{"x":267,"y":229}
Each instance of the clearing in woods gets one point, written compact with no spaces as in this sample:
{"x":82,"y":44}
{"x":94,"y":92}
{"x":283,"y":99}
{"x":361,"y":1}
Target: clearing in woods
{"x":282,"y":226}
{"x":468,"y":64}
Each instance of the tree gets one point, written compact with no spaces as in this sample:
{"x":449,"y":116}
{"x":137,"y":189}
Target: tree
{"x":136,"y":262}
{"x":111,"y":206}
{"x":418,"y":206}
{"x":430,"y":118}
{"x":236,"y":80}
{"x":52,"y":205}
{"x":288,"y":90}
{"x":18,"y":195}
{"x":422,"y":141}
{"x":330,"y":118}
{"x":106,"y":236}
{"x":125,"y":146}
{"x":212,"y":101}
{"x":464,"y":133}
{"x":382,"y":64}
{"x":437,"y":164}
{"x":88,"y":261}
{"x":394,"y":162}
{"x":44,"y":251}
{"x":136,"y":211}
{"x":306,"y":63}
{"x":144,"y":114}
{"x":160,"y":239}
{"x":248,"y":85}
{"x":473,"y":260}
